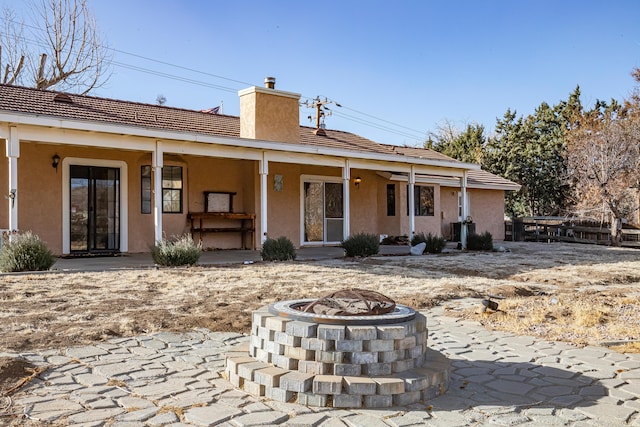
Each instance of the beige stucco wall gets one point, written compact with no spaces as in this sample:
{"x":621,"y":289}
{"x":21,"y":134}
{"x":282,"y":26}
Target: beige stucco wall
{"x":449,"y":210}
{"x":284,"y":207}
{"x":365,"y":202}
{"x":283,"y":213}
{"x":40,"y":196}
{"x":486,"y":207}
{"x":40,"y":211}
{"x":214,"y":174}
{"x":40,"y":193}
{"x":389,"y":225}
{"x":487,"y":210}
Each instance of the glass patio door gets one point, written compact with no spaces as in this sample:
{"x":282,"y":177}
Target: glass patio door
{"x":94,"y":209}
{"x":323,"y":212}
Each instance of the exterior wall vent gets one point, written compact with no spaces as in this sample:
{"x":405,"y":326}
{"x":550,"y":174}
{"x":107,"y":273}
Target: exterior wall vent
{"x":63,"y":97}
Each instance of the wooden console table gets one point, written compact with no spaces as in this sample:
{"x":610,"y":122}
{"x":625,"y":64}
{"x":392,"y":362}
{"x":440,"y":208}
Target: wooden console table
{"x":244,"y":223}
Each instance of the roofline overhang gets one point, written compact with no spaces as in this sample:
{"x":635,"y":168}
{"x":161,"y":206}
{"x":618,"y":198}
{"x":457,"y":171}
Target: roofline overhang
{"x":159,"y":134}
{"x":446,"y":181}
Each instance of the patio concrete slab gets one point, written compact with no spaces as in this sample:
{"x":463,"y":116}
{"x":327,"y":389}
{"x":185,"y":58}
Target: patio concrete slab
{"x":488,"y":387}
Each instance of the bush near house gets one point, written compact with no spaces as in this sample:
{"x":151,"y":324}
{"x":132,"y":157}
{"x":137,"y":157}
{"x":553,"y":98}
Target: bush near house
{"x":435,"y":244}
{"x":361,"y":244}
{"x":480,"y":242}
{"x":179,"y":250}
{"x":25,"y":252}
{"x":280,"y":249}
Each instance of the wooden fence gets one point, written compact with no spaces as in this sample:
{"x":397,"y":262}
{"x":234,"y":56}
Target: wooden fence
{"x":554,"y":229}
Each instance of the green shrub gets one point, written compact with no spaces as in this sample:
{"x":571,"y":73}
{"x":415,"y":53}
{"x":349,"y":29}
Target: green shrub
{"x":480,"y":242}
{"x":435,"y":244}
{"x":26,"y":252}
{"x":179,"y":250}
{"x":280,"y":249}
{"x":361,"y":244}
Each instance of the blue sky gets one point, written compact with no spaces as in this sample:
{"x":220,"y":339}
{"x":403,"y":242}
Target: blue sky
{"x":405,"y":65}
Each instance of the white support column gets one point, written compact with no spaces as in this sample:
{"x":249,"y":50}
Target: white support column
{"x":264,"y":218}
{"x":346,"y":203}
{"x":157,"y":162}
{"x":465,"y":210}
{"x":13,"y":153}
{"x":412,"y":203}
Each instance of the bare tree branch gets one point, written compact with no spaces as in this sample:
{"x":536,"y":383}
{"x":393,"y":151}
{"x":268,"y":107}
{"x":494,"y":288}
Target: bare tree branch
{"x":12,"y":47}
{"x":603,"y":162}
{"x":66,"y":52}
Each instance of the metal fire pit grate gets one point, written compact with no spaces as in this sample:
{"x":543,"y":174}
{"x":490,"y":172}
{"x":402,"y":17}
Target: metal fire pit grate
{"x":351,"y":302}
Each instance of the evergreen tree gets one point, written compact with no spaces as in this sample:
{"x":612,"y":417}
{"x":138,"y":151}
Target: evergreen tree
{"x":466,"y":146}
{"x":531,"y":152}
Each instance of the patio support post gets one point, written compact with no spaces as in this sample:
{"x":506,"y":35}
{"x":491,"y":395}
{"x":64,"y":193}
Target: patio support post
{"x":346,"y":178}
{"x":157,"y":160}
{"x":264,"y":174}
{"x":412,"y":203}
{"x":465,"y":210}
{"x":13,"y":152}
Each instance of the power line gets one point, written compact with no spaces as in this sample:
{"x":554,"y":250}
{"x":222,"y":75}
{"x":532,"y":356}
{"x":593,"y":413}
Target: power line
{"x":173,"y":77}
{"x":180,"y":67}
{"x":380,"y":119}
{"x":378,"y":126}
{"x":395,"y":129}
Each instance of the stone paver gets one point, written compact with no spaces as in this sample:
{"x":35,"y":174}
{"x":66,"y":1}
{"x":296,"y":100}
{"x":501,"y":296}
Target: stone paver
{"x":177,"y":379}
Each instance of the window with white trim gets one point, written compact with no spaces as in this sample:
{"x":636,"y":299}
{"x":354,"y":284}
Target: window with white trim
{"x":423,"y":200}
{"x":172,"y":189}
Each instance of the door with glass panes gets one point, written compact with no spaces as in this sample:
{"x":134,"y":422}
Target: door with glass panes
{"x":94,"y":211}
{"x":323,"y":204}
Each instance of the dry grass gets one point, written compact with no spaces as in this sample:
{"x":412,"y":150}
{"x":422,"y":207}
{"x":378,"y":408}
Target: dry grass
{"x":588,"y":317}
{"x":595,"y":288}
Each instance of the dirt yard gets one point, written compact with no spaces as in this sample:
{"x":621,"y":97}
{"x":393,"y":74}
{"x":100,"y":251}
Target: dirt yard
{"x":580,"y":293}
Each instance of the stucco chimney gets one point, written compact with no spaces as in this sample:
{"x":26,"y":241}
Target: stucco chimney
{"x":269,"y":114}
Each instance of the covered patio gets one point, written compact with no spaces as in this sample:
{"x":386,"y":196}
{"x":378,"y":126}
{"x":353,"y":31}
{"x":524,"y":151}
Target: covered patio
{"x":208,"y":258}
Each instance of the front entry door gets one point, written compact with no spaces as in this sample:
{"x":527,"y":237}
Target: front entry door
{"x":323,"y":212}
{"x":95,"y":209}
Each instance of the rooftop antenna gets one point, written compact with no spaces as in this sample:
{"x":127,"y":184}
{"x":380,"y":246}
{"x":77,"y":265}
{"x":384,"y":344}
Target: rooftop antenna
{"x":321,"y":111}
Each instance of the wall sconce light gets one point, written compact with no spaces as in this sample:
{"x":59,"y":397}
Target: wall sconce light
{"x":356,"y":181}
{"x":55,"y":160}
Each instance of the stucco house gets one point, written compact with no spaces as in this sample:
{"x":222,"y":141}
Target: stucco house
{"x":92,"y":175}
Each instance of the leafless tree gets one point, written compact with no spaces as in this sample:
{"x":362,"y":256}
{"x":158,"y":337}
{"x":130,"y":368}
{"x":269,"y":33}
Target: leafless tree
{"x":603,"y":162}
{"x":12,"y":47}
{"x":64,"y":52}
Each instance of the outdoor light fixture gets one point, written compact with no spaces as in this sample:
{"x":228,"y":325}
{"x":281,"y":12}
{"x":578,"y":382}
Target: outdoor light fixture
{"x":55,"y":161}
{"x":356,"y":181}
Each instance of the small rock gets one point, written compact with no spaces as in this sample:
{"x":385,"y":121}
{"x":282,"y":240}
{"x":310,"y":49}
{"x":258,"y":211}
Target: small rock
{"x":418,"y":249}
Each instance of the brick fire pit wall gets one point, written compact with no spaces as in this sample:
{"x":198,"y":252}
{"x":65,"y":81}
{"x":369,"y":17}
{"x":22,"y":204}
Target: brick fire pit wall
{"x":333,"y":362}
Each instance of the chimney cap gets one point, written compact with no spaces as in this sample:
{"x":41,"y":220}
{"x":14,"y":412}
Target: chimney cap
{"x":270,"y":82}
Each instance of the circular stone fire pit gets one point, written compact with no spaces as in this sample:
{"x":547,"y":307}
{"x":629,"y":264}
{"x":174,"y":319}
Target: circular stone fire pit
{"x":347,"y":361}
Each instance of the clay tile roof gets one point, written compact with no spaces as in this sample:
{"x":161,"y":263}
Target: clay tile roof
{"x":422,"y":153}
{"x":60,"y":105}
{"x":89,"y":108}
{"x":44,"y":103}
{"x":481,"y":178}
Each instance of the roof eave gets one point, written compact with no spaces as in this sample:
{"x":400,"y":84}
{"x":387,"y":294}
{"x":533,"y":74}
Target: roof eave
{"x":143,"y":131}
{"x":505,"y":187}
